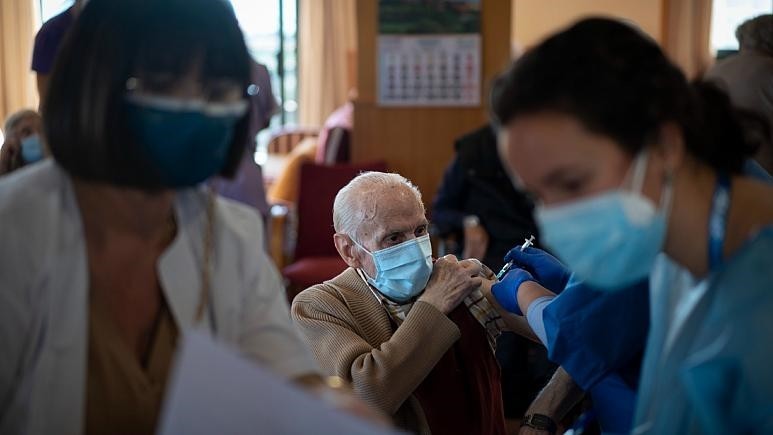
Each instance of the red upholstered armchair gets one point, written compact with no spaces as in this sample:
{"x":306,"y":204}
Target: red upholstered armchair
{"x":315,"y":258}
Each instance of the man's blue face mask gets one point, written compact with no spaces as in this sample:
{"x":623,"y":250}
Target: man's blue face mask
{"x":186,"y":141}
{"x":402,"y":271}
{"x":31,"y":149}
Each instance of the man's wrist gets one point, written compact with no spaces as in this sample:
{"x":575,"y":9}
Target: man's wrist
{"x":429,"y":300}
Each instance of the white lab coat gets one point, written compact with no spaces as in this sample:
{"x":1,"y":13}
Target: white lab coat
{"x":44,"y":296}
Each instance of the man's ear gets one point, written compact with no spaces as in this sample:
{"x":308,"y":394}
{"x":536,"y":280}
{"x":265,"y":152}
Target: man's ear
{"x":347,"y":250}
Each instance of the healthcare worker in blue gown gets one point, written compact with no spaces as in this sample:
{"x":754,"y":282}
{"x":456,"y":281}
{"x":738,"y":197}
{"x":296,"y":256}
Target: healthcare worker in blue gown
{"x":597,"y":337}
{"x":638,"y":176}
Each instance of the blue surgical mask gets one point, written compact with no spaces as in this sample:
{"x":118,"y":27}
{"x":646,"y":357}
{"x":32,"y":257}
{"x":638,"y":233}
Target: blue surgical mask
{"x":402,"y":271}
{"x":186,"y":141}
{"x":31,"y":149}
{"x":610,"y":240}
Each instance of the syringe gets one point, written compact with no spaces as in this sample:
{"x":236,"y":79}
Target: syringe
{"x":506,"y":268}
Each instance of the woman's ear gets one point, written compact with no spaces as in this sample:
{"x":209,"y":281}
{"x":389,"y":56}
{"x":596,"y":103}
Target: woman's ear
{"x":347,"y":250}
{"x":671,"y":147}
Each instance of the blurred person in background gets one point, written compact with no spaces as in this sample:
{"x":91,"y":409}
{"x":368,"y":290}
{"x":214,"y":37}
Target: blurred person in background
{"x":748,"y":78}
{"x":247,"y":185}
{"x":23,"y":143}
{"x":47,"y":42}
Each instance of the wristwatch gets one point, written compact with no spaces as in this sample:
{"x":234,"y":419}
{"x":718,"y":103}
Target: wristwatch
{"x":540,"y":422}
{"x":470,"y":221}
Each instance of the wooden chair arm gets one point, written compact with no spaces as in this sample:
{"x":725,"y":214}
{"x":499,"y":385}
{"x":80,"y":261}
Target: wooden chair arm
{"x":284,"y":140}
{"x":280,"y":215}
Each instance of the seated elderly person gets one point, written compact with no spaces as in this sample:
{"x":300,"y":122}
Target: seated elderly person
{"x":23,"y":141}
{"x":414,"y":338}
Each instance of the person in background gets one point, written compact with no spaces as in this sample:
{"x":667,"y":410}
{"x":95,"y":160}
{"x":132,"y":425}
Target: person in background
{"x":23,"y":141}
{"x":478,"y":205}
{"x":111,"y":249}
{"x":414,"y":337}
{"x":748,"y":78}
{"x":247,"y":186}
{"x":639,"y":171}
{"x":47,"y":42}
{"x":478,"y":209}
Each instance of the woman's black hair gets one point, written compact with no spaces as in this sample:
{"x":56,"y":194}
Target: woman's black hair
{"x":112,"y":41}
{"x":617,"y":82}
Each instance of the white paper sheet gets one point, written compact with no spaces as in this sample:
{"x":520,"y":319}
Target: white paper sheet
{"x":215,"y":391}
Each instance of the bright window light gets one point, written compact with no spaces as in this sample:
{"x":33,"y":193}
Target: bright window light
{"x":727,"y":15}
{"x":51,"y":8}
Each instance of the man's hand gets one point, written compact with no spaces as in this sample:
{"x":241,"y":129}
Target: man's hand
{"x":475,"y":242}
{"x":10,"y":155}
{"x":451,"y":281}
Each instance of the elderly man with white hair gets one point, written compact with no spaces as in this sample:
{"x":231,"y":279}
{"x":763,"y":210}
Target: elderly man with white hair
{"x":23,"y":143}
{"x":415,"y":338}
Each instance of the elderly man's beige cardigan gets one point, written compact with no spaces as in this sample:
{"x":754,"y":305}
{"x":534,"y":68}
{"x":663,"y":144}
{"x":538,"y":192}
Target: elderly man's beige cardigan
{"x":351,"y":336}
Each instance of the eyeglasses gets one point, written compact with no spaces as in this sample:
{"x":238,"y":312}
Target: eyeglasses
{"x":169,"y":85}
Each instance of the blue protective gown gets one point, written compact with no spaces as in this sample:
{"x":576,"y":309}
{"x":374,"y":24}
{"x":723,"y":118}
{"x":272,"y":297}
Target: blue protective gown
{"x":708,"y":367}
{"x":598,"y":338}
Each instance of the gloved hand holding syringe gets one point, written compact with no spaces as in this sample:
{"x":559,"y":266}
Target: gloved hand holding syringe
{"x":506,"y":268}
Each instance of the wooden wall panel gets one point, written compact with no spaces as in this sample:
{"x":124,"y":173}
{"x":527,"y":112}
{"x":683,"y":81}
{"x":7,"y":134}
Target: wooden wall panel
{"x":533,"y":20}
{"x":418,"y":142}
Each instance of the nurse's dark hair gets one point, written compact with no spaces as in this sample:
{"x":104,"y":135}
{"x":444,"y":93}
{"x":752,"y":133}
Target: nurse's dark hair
{"x":617,"y":82}
{"x":112,"y":41}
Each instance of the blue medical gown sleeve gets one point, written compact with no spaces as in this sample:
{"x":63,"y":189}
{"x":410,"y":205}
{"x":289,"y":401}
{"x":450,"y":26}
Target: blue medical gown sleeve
{"x":592,"y":333}
{"x":614,"y":402}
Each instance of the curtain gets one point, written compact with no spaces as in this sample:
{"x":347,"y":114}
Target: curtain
{"x":17,"y":34}
{"x":686,"y":33}
{"x":327,"y":38}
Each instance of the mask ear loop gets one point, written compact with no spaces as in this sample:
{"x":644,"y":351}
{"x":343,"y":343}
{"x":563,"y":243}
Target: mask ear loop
{"x":637,"y":181}
{"x":667,"y":194}
{"x":639,"y":171}
{"x":369,"y":253}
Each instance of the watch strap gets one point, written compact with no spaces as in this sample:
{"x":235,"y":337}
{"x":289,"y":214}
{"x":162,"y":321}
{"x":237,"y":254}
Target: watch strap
{"x":540,"y":422}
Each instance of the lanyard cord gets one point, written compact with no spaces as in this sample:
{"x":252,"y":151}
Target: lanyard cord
{"x":720,"y":207}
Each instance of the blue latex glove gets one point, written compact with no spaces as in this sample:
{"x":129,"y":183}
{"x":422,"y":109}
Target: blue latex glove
{"x":547,"y":269}
{"x":506,"y":290}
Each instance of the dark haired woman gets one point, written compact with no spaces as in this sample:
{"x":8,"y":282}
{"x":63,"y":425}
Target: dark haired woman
{"x":639,"y":175}
{"x":110,"y":251}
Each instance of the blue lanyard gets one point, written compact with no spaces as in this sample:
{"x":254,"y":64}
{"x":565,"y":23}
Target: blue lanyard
{"x":720,"y":206}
